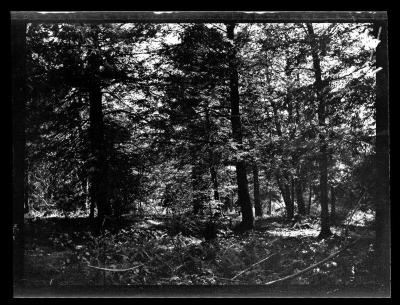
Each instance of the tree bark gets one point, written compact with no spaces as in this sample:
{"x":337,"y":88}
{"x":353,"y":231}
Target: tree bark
{"x":18,"y":61}
{"x":301,"y":207}
{"x":323,"y":160}
{"x":243,"y":188}
{"x":211,"y":157}
{"x":257,"y":200}
{"x":285,"y":191}
{"x":98,"y":174}
{"x":88,"y":202}
{"x":382,"y":218}
{"x":309,"y":200}
{"x":269,"y":197}
{"x":292,"y":192}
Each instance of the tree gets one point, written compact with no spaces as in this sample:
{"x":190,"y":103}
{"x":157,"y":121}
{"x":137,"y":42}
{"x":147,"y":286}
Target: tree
{"x":257,"y":199}
{"x":241,"y":176}
{"x":18,"y":48}
{"x":84,"y":63}
{"x":320,"y":88}
{"x":382,"y":243}
{"x":191,"y":98}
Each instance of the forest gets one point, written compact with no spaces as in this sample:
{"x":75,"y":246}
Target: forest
{"x":204,"y":154}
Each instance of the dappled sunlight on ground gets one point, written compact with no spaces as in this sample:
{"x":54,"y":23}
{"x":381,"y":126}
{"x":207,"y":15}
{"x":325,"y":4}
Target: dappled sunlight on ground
{"x":299,"y":233}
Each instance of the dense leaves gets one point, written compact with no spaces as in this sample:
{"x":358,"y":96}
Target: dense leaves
{"x":168,"y":133}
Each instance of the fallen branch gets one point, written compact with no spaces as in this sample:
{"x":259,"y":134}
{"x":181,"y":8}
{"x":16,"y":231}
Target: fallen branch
{"x":226,"y":279}
{"x":115,"y":270}
{"x":247,"y":269}
{"x":312,"y":266}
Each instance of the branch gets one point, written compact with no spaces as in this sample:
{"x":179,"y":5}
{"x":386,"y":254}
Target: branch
{"x":247,"y":269}
{"x":115,"y":270}
{"x":312,"y":266}
{"x":226,"y":279}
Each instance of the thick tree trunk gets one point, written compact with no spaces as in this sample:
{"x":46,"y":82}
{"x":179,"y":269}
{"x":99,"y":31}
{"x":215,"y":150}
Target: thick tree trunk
{"x":257,"y":200}
{"x":243,"y":186}
{"x":323,"y":160}
{"x":301,"y":207}
{"x":18,"y":49}
{"x":382,"y":220}
{"x":98,"y":173}
{"x":244,"y":197}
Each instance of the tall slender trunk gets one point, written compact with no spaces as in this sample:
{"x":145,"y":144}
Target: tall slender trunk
{"x":292,"y":192}
{"x":257,"y":200}
{"x":269,"y":196}
{"x":211,"y":158}
{"x":243,"y":188}
{"x":301,"y":207}
{"x":382,"y":218}
{"x":18,"y":49}
{"x":98,"y":174}
{"x":89,"y":203}
{"x":323,"y":159}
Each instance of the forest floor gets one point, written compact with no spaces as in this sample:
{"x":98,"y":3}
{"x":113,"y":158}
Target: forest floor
{"x":156,"y":251}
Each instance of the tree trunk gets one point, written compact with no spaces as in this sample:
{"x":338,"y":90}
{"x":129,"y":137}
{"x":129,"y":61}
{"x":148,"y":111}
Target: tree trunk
{"x":323,"y":160}
{"x":214,"y":180}
{"x":90,"y":203}
{"x":333,"y":205}
{"x":257,"y":200}
{"x":285,"y":191}
{"x":269,"y":198}
{"x":292,"y":191}
{"x":211,"y":157}
{"x":382,"y":218}
{"x":290,"y":202}
{"x":309,"y":200}
{"x":18,"y":61}
{"x":98,"y":174}
{"x":301,"y":207}
{"x":199,"y":188}
{"x":243,"y":188}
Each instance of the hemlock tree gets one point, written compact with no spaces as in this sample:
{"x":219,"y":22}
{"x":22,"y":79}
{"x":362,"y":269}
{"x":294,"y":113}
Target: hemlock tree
{"x":241,"y":176}
{"x":90,"y":59}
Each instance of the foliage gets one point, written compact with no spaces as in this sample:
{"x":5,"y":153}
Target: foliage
{"x":168,"y":157}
